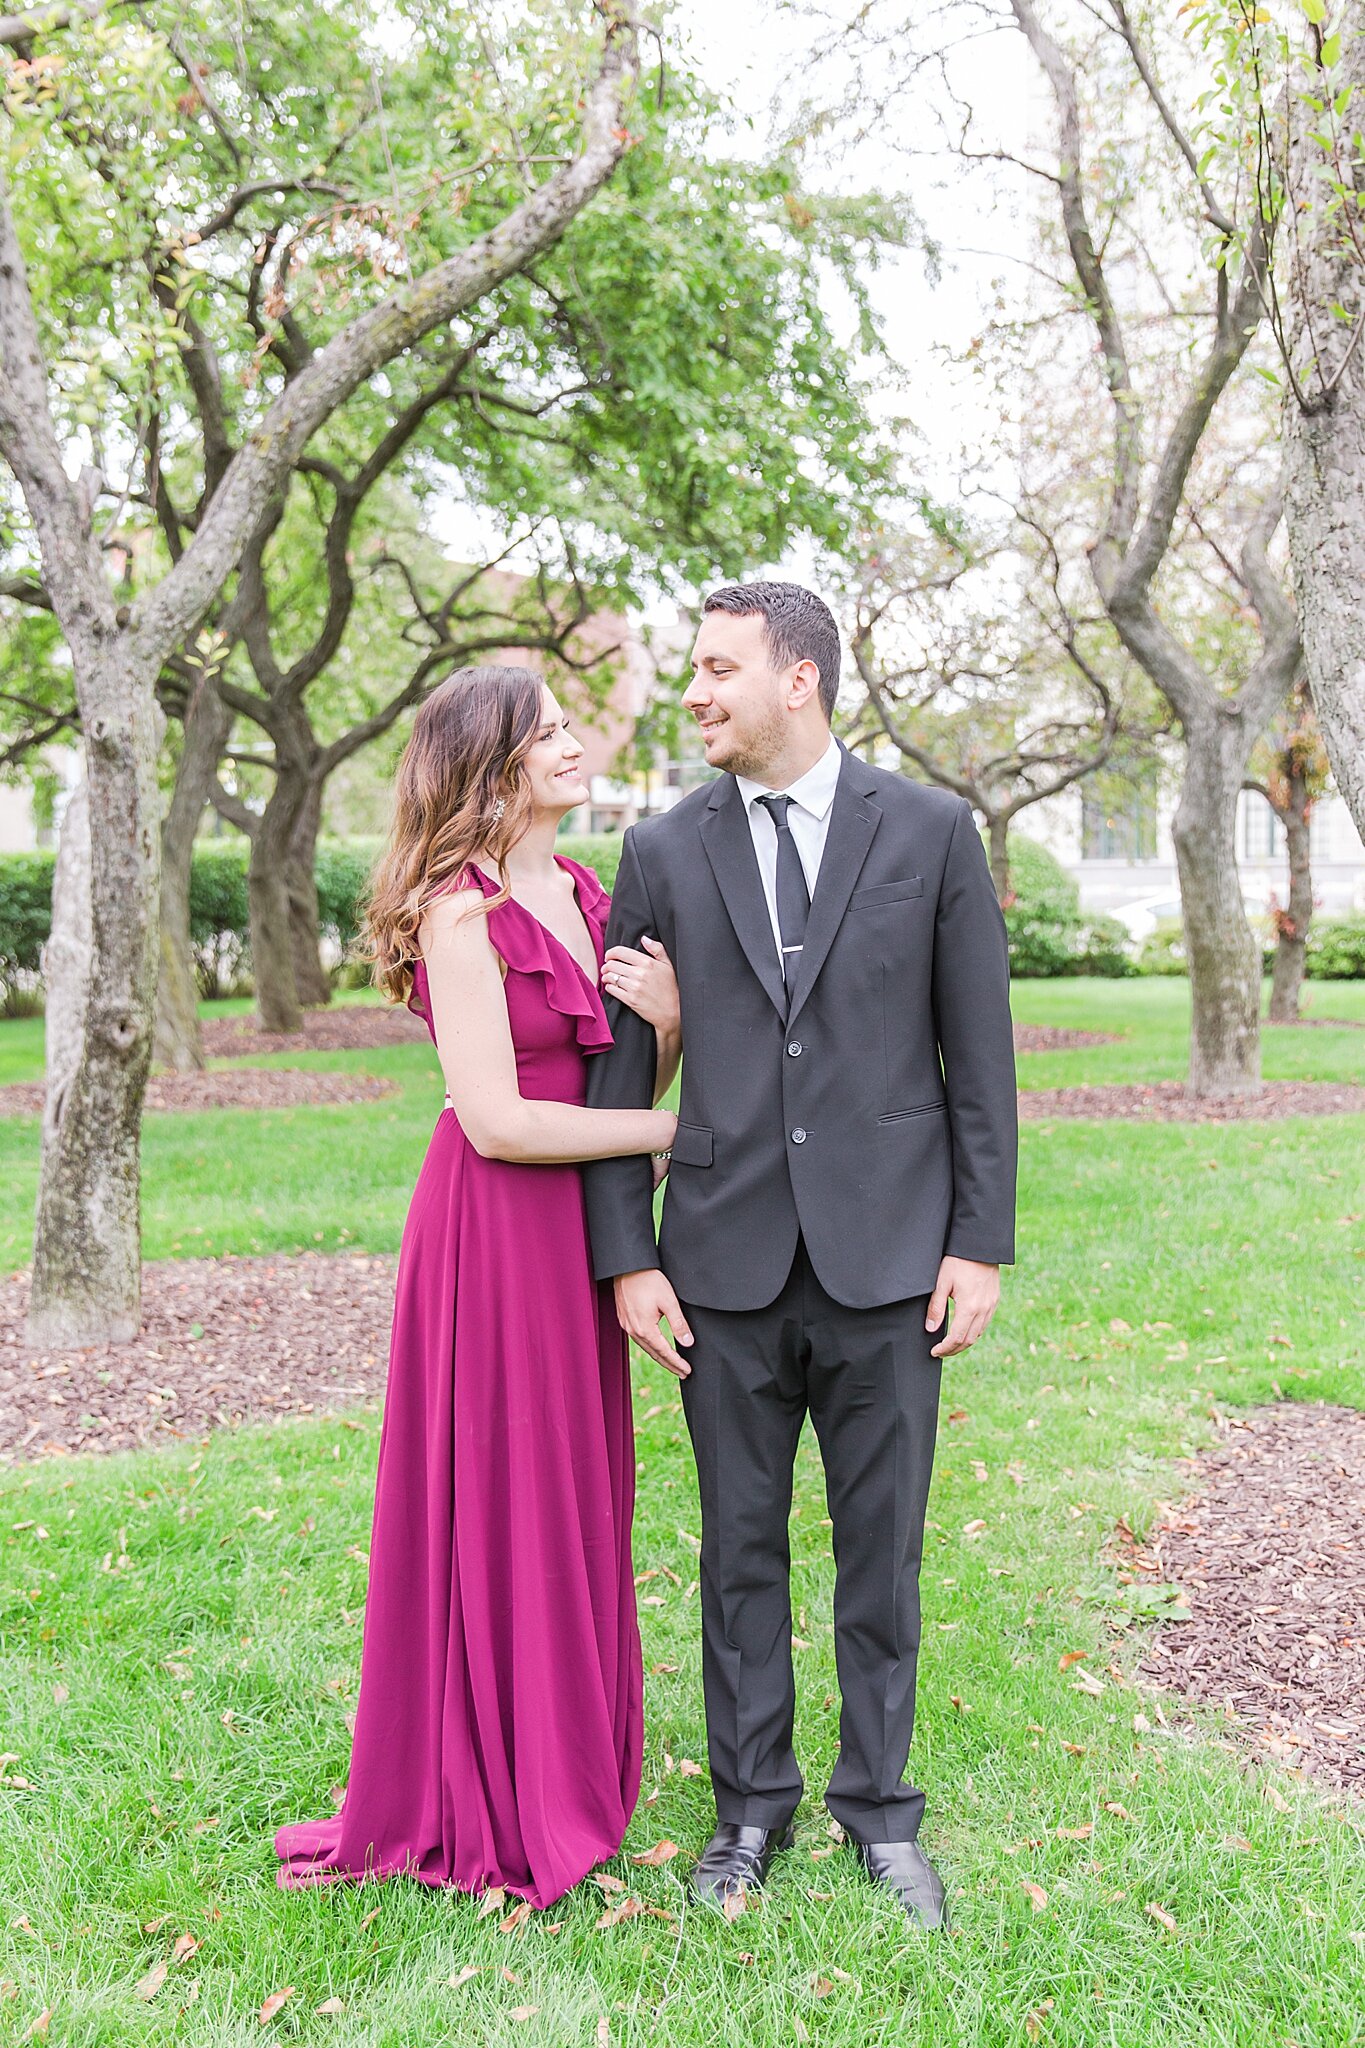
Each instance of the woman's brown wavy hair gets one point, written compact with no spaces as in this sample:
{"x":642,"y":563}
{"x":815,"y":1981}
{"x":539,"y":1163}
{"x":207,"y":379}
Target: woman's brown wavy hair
{"x":469,"y":741}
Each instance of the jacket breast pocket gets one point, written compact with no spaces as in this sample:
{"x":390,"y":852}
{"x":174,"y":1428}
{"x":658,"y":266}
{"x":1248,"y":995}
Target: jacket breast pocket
{"x":693,"y":1145}
{"x":886,"y":892}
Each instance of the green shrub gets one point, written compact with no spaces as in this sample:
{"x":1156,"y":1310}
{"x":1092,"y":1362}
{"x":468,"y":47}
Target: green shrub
{"x":343,"y":870}
{"x":25,"y":918}
{"x":1163,"y":950}
{"x":600,"y":851}
{"x":25,"y":910}
{"x":1104,"y":947}
{"x":219,"y":920}
{"x":1336,"y":949}
{"x":1044,"y":920}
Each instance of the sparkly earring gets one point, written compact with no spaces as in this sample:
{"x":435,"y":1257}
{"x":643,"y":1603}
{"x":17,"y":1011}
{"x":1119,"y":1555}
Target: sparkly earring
{"x":499,"y":808}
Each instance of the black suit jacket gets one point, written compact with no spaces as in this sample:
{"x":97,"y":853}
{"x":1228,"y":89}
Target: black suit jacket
{"x":877,"y":1117}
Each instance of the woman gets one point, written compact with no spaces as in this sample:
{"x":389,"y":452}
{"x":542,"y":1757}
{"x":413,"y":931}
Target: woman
{"x":498,"y":1730}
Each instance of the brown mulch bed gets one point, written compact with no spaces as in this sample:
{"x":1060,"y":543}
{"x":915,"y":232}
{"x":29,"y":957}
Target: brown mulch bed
{"x":1271,"y":1554}
{"x":1167,"y":1102}
{"x":340,"y":1027}
{"x":223,"y":1341}
{"x":1052,"y":1038}
{"x":225,"y":1088}
{"x":1314,"y":1024}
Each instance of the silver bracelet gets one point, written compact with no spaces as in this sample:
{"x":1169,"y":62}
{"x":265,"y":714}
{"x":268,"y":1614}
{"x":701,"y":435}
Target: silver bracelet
{"x":662,"y":1155}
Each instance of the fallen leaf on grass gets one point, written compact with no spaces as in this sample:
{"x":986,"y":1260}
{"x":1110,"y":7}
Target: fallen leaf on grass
{"x":36,"y":2029}
{"x":516,"y":1919}
{"x":955,"y":1700}
{"x":1033,"y":2021}
{"x":1276,"y":1798}
{"x":821,"y":1987}
{"x":1080,"y":1834}
{"x":273,"y":2004}
{"x":662,"y":1670}
{"x":736,"y":1902}
{"x":186,"y":1946}
{"x":662,"y":1852}
{"x":1159,"y":1913}
{"x":973,"y":1528}
{"x":331,"y":2006}
{"x":1086,"y":1681}
{"x":61,"y":1694}
{"x":1237,"y":1842}
{"x":1070,"y":1657}
{"x":508,"y":1976}
{"x":1036,"y":1895}
{"x":524,"y":2012}
{"x":492,"y":1901}
{"x":368,"y":1918}
{"x":608,"y":1883}
{"x":614,"y":1915}
{"x":463,"y":1976}
{"x":604,"y":2032}
{"x":687,"y":1769}
{"x":1119,"y":1812}
{"x":149,"y":1985}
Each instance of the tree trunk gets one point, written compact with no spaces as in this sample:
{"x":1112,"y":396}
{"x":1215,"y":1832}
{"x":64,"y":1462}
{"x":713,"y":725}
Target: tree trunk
{"x":1224,"y":959}
{"x":1292,"y":925}
{"x":272,"y":937}
{"x":87,"y":1260}
{"x":310,"y":976}
{"x":1325,"y":445}
{"x":66,"y":958}
{"x":998,"y":827}
{"x":177,"y":1043}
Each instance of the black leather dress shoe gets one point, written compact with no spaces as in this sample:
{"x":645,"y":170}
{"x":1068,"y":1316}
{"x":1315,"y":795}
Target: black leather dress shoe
{"x":905,"y":1870}
{"x":736,"y":1859}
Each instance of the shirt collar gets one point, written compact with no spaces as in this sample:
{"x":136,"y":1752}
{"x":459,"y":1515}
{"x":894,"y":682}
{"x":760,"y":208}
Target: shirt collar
{"x":813,"y":791}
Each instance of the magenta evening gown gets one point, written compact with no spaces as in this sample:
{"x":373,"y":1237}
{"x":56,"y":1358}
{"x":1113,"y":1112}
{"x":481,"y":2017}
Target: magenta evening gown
{"x":499,"y":1723}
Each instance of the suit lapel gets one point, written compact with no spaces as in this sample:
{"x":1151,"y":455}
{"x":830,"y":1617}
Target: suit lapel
{"x":729,"y":847}
{"x":853,"y":823}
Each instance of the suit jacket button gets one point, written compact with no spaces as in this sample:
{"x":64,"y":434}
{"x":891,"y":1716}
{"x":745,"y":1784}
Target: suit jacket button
{"x":795,"y":1049}
{"x":798,"y":1136}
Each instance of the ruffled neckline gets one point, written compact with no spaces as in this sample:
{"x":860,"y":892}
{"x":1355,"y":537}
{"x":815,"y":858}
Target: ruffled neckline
{"x":530,"y":947}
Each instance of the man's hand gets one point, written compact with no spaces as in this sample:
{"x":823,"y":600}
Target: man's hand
{"x":642,"y":1301}
{"x":975,"y":1292}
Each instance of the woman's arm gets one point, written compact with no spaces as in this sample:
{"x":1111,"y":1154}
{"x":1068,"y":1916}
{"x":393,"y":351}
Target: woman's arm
{"x":474,"y":1044}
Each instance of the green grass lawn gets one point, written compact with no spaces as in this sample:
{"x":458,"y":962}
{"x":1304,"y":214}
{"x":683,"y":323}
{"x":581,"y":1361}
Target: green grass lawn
{"x":179,"y":1643}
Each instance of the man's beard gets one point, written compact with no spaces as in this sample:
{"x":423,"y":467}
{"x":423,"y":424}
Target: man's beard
{"x":757,"y":748}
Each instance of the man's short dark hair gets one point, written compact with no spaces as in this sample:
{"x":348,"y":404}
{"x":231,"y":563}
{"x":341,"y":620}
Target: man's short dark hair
{"x":800,"y":627}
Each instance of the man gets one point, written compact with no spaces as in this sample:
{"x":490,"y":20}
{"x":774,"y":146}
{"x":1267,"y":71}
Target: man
{"x":844,"y":1167}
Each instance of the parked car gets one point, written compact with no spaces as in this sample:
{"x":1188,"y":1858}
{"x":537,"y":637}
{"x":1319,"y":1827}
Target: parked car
{"x":1144,"y":914}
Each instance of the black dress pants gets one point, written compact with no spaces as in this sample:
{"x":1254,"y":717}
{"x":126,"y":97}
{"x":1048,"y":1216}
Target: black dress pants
{"x":872,"y":1389}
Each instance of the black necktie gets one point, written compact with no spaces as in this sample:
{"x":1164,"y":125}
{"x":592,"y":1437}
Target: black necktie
{"x":793,"y":897}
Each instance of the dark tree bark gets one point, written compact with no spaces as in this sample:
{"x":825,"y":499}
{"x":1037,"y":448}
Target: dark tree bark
{"x":1292,"y":924}
{"x":311,"y":978}
{"x":177,"y":1041}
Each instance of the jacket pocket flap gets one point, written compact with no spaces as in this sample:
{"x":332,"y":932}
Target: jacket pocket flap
{"x":692,"y":1145}
{"x":886,"y":892}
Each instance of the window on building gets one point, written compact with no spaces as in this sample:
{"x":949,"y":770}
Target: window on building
{"x":1262,"y":832}
{"x":1125,"y":830}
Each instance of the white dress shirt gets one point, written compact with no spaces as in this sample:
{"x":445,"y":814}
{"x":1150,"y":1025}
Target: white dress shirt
{"x":811,"y":795}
